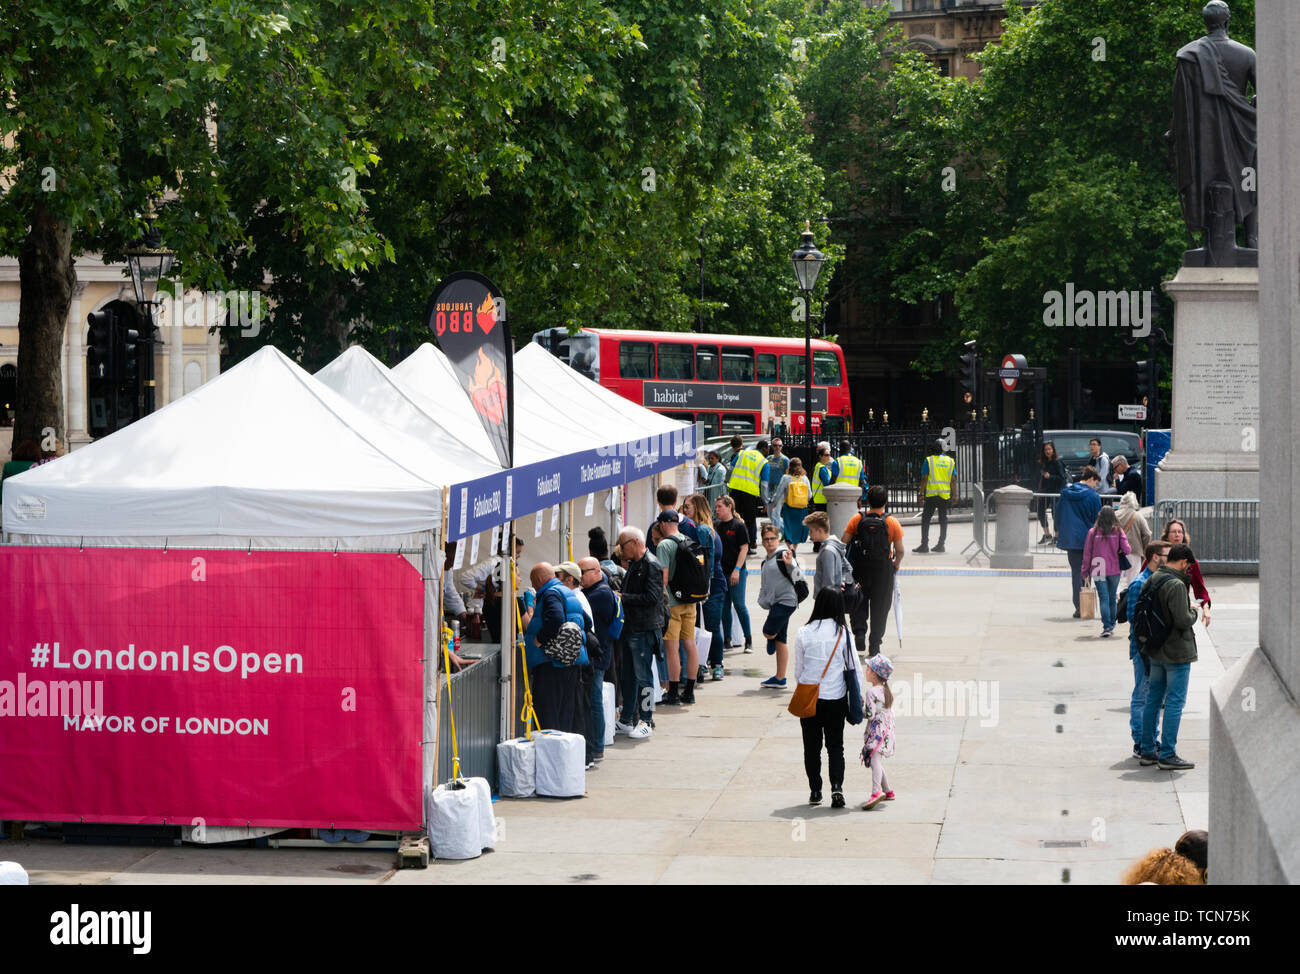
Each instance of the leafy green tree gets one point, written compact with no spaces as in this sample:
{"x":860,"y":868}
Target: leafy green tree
{"x":110,"y":107}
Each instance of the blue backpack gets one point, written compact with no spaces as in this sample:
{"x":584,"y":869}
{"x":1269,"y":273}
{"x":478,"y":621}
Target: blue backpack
{"x":616,"y":624}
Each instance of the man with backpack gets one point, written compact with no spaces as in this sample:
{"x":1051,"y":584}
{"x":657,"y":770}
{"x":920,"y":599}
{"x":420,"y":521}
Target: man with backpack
{"x":875,"y":547}
{"x":833,"y":569}
{"x":686,"y":582}
{"x":1154,"y":554}
{"x":1162,"y":620}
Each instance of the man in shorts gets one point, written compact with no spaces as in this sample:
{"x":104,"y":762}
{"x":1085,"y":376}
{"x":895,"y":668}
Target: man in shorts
{"x":681,"y":620}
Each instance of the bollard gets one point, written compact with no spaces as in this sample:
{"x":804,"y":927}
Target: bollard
{"x":1013,"y":528}
{"x":841,"y":505}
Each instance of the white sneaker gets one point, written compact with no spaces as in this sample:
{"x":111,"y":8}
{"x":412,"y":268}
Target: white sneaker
{"x":641,"y":731}
{"x":623,"y":729}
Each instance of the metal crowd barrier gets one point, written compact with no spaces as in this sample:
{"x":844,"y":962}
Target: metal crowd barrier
{"x":476,"y":697}
{"x":1224,"y":533}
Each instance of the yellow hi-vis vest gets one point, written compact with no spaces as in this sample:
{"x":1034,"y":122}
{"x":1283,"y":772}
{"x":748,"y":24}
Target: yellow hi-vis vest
{"x":938,"y":482}
{"x":745,"y":474}
{"x":850,"y":470}
{"x":817,"y":495}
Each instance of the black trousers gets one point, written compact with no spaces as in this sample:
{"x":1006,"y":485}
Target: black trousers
{"x":747,"y":510}
{"x":558,"y":697}
{"x":828,"y":724}
{"x":874,"y":606}
{"x":933,"y":504}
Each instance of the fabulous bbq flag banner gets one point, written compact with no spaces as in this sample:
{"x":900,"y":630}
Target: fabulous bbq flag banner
{"x":467,"y":316}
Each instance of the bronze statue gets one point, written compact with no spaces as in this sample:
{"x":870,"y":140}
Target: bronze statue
{"x":1216,"y":149}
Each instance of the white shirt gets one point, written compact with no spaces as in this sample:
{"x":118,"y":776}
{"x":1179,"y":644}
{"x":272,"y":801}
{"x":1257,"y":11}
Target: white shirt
{"x":813,"y":645}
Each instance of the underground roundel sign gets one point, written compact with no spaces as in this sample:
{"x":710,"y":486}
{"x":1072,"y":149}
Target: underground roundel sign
{"x":1010,"y":371}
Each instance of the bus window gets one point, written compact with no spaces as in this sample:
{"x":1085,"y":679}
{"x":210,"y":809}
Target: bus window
{"x":709,"y":424}
{"x":737,"y":366}
{"x":636,"y":360}
{"x":681,"y":417}
{"x":766,"y":367}
{"x":792,"y":370}
{"x":737,"y":424}
{"x":826,"y":369}
{"x":675,"y":361}
{"x":706,"y":363}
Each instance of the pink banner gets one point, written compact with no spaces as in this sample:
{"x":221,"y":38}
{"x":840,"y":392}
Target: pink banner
{"x":211,"y":687}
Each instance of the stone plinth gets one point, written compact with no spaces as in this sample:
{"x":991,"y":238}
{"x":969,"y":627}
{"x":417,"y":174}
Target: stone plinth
{"x":841,"y":505}
{"x":1013,"y":528}
{"x":1254,"y":714}
{"x":1216,"y":402}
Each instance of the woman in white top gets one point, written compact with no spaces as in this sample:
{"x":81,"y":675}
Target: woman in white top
{"x":823,"y":649}
{"x":1136,"y":529}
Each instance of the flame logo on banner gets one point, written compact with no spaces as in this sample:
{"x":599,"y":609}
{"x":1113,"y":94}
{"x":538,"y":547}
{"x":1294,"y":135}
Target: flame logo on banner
{"x":487,"y":314}
{"x":487,"y":387}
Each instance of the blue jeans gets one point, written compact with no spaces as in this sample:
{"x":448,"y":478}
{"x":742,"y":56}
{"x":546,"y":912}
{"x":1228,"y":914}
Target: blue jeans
{"x":1107,"y":589}
{"x":1168,"y":684}
{"x":1075,"y":557}
{"x":713,"y":622}
{"x":1139,"y":699}
{"x":735,"y":597}
{"x":638,"y":697}
{"x":596,"y":721}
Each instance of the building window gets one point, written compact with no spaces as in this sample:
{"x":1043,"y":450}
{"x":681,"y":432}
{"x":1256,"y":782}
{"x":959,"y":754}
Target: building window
{"x":944,"y":68}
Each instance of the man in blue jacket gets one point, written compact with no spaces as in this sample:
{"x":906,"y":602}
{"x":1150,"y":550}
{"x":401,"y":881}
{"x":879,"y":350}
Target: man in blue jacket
{"x":1076,"y":513}
{"x":557,"y":689}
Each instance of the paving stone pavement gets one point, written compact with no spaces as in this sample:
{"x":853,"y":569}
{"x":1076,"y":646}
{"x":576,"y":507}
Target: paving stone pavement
{"x":1039,"y":788}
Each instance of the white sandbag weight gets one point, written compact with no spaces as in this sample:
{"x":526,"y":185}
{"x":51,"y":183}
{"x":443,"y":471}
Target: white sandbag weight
{"x":517,"y":768}
{"x":455,"y":828}
{"x":561,"y":764}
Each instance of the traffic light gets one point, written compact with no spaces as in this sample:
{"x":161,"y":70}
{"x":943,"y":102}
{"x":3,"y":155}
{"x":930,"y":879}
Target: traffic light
{"x":970,"y":370}
{"x":102,"y":328}
{"x":126,"y":349}
{"x":1148,"y":388}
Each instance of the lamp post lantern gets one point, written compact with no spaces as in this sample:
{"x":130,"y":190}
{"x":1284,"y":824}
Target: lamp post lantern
{"x":150,"y":262}
{"x":807,"y":261}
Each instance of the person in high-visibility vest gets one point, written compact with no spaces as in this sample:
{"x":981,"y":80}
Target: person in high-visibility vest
{"x":936,"y":487}
{"x":851,"y":469}
{"x":825,"y":470}
{"x":746,"y":483}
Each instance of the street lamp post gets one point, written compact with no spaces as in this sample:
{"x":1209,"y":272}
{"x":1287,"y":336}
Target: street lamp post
{"x":807,"y":261}
{"x":150,"y":261}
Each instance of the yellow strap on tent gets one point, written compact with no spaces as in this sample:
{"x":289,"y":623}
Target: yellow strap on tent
{"x":526,"y":714}
{"x":446,"y":656}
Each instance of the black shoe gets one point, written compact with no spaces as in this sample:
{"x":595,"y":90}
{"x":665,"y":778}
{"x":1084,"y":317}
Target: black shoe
{"x":837,"y":799}
{"x":1076,"y":614}
{"x":688,"y":691}
{"x":1175,"y":763}
{"x":1137,"y":752}
{"x":671,"y":698}
{"x":923,"y":550}
{"x":815,"y":798}
{"x":701,"y":674}
{"x":937,"y":549}
{"x":749,"y":645}
{"x":1146,"y":760}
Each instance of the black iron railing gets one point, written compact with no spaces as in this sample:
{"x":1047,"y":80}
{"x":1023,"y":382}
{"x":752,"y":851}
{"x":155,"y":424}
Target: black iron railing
{"x":895,"y":457}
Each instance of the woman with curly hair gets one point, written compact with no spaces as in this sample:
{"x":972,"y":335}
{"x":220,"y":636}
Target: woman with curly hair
{"x":1163,"y":867}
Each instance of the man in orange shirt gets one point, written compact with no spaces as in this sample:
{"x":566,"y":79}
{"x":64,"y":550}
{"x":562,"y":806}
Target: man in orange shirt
{"x":875,"y":544}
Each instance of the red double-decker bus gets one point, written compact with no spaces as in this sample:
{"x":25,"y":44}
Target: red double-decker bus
{"x":731,"y":384}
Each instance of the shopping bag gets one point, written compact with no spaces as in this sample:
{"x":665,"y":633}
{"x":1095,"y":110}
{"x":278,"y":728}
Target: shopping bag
{"x":703,"y":640}
{"x":1087,"y":602}
{"x":607,"y":700}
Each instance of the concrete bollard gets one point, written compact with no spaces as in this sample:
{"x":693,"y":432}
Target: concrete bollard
{"x":1013,"y":528}
{"x":841,"y":505}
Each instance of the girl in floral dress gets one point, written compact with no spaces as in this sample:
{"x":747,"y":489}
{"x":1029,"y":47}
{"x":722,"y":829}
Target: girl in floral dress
{"x":878,"y":740}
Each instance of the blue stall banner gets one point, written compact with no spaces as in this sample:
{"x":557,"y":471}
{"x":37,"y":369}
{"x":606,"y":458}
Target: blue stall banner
{"x":479,"y":505}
